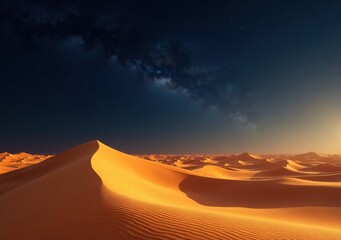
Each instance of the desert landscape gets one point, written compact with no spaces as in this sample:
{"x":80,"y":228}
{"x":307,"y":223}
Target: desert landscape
{"x":216,"y":120}
{"x":95,"y":192}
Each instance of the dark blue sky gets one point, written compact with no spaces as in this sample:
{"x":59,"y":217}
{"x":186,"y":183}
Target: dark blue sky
{"x":171,"y":76}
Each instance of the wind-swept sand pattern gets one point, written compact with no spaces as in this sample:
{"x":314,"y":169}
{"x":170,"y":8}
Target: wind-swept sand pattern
{"x":95,"y":192}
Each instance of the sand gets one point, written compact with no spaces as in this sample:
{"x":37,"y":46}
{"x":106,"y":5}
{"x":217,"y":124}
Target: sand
{"x":10,"y":162}
{"x":95,"y":192}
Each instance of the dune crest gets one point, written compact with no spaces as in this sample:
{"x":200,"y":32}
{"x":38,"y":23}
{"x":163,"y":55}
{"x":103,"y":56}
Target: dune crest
{"x":95,"y":192}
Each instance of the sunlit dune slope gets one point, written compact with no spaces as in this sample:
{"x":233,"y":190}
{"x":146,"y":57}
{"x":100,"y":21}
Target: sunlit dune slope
{"x":224,"y":173}
{"x":95,"y":192}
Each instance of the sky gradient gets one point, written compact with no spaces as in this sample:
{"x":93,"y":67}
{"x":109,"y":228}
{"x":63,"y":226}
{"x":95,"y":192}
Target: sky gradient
{"x":171,"y":76}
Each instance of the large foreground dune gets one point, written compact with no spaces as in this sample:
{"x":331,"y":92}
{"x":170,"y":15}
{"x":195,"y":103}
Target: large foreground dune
{"x":95,"y":192}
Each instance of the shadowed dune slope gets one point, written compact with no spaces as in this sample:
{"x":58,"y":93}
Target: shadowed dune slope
{"x":95,"y":192}
{"x":325,"y":167}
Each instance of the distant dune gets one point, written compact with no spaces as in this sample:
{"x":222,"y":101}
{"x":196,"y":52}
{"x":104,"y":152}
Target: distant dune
{"x":95,"y":192}
{"x":10,"y":162}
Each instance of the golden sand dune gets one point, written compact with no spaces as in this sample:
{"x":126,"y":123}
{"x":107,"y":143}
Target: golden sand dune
{"x":224,"y":173}
{"x":95,"y":192}
{"x":10,"y":162}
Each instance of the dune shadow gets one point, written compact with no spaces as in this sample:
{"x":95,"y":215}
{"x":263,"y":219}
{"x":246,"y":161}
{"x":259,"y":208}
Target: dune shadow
{"x":257,"y":194}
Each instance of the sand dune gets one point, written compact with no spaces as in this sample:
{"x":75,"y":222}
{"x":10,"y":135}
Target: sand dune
{"x":224,"y":173}
{"x":325,"y":167}
{"x":95,"y":192}
{"x":279,"y":172}
{"x":10,"y":162}
{"x":309,"y":156}
{"x":292,"y":165}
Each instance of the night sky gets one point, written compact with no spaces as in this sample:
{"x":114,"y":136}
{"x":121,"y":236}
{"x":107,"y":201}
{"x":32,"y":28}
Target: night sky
{"x":171,"y":76}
